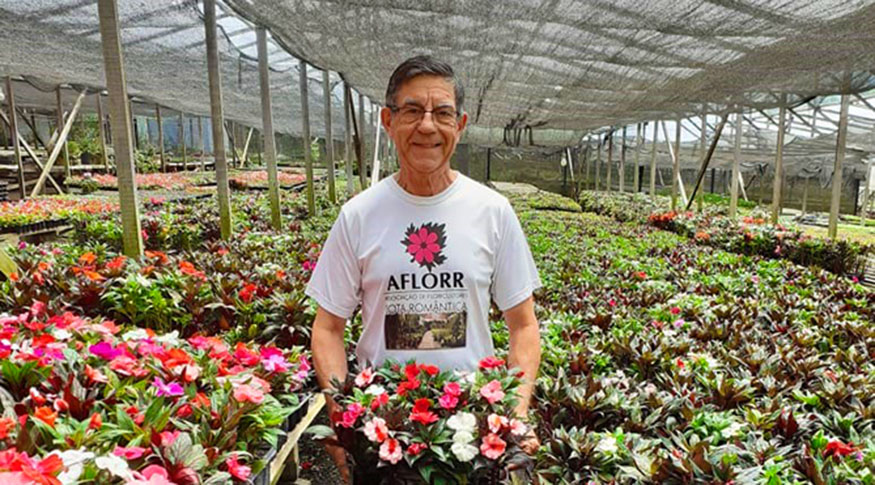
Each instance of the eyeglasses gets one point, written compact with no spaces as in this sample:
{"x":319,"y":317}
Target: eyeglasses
{"x":412,"y":114}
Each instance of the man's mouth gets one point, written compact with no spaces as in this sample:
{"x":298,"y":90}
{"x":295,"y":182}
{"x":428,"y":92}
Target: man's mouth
{"x":427,"y":145}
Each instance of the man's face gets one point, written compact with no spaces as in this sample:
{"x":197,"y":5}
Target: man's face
{"x":425,"y":145}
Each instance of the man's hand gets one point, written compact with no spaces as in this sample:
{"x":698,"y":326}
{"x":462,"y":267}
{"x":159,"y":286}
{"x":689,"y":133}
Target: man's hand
{"x":329,"y":359}
{"x":530,"y":443}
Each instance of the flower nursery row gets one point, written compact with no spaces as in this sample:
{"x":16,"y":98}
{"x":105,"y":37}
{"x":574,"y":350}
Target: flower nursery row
{"x":750,"y":234}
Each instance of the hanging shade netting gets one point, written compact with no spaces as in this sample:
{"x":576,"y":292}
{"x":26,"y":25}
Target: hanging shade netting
{"x":577,"y":65}
{"x":52,"y":42}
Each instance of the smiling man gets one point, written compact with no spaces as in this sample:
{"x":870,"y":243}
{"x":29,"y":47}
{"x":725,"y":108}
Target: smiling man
{"x":426,"y":251}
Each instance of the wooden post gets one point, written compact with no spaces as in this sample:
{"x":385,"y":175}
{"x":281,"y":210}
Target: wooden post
{"x":329,"y":138}
{"x":841,"y":138}
{"x":621,"y":173}
{"x":66,"y":155}
{"x":203,"y":143}
{"x":653,"y":162}
{"x":347,"y":148}
{"x":160,"y":138}
{"x":363,"y":172}
{"x":13,"y":129}
{"x":598,"y":163}
{"x":866,"y":192}
{"x":610,"y":159}
{"x":267,"y":129}
{"x":217,"y":121}
{"x":182,"y":140}
{"x":677,"y":182}
{"x":805,"y":196}
{"x":779,"y":162}
{"x":639,"y":140}
{"x":30,"y":152}
{"x":101,"y":131}
{"x":305,"y":135}
{"x":706,"y":158}
{"x":56,"y":151}
{"x":120,"y":116}
{"x":703,"y":135}
{"x":736,"y":167}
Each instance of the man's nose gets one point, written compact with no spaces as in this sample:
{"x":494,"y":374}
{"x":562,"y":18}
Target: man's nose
{"x":426,"y":125}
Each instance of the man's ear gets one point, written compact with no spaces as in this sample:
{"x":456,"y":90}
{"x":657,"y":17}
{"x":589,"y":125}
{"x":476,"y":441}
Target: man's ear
{"x":386,"y":117}
{"x":462,"y":124}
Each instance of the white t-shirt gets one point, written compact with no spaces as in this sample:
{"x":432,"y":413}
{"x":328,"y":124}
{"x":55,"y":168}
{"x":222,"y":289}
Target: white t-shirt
{"x":424,"y":269}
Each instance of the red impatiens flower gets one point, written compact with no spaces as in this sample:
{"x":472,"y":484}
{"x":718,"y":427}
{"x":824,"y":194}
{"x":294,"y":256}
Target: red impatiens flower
{"x":46,"y":415}
{"x":491,"y":363}
{"x":6,"y":425}
{"x":838,"y":449}
{"x":247,"y":292}
{"x":187,"y":268}
{"x":416,"y":448}
{"x":421,"y":413}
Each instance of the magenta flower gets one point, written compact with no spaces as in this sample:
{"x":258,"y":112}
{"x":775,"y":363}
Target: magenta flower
{"x":104,"y":350}
{"x":169,"y":389}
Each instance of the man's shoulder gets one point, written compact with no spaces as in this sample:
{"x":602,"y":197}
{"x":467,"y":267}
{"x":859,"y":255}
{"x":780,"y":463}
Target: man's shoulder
{"x":368,"y":200}
{"x":484,"y":194}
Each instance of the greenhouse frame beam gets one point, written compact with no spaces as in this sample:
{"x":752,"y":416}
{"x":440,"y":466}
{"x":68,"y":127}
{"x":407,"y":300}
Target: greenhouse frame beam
{"x":161,"y":154}
{"x":217,"y":118}
{"x":13,"y":131}
{"x":841,"y":140}
{"x":329,"y":138}
{"x":653,"y":162}
{"x":736,"y":167}
{"x":621,"y":172}
{"x":182,"y":141}
{"x":706,"y":159}
{"x":267,"y":129}
{"x":120,"y":115}
{"x":101,"y":131}
{"x":245,"y":156}
{"x":59,"y":146}
{"x":347,"y":143}
{"x":30,"y":152}
{"x":362,"y":137}
{"x":779,"y":163}
{"x":31,"y":125}
{"x":305,"y":135}
{"x":610,"y":137}
{"x":63,"y":140}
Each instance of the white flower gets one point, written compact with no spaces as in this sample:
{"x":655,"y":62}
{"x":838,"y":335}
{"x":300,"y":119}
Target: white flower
{"x":607,"y":445}
{"x":138,"y":334}
{"x":732,"y":430}
{"x":462,"y":422}
{"x":464,"y":452}
{"x":74,"y":462}
{"x":171,"y":338}
{"x":115,"y":465}
{"x":375,"y":390}
{"x":463,"y":437}
{"x":61,"y":334}
{"x":365,"y":377}
{"x":649,"y":389}
{"x":518,"y":427}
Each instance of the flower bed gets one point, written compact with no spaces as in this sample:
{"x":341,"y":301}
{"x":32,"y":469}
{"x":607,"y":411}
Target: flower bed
{"x":92,"y":401}
{"x":754,"y":236}
{"x":176,"y":181}
{"x":20,"y":215}
{"x":255,"y":179}
{"x":416,"y":424}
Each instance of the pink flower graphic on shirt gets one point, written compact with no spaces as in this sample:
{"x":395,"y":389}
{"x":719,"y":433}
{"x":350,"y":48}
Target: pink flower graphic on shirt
{"x":425,"y":244}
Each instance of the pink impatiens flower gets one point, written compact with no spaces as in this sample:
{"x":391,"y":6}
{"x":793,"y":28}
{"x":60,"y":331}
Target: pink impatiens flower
{"x":169,"y":389}
{"x":352,"y":413}
{"x":423,"y":245}
{"x":390,"y":451}
{"x":492,"y":392}
{"x":238,"y":471}
{"x":376,"y":430}
{"x":496,"y":422}
{"x":130,"y":453}
{"x":365,"y":377}
{"x":273,"y":360}
{"x":246,"y":393}
{"x":492,"y":446}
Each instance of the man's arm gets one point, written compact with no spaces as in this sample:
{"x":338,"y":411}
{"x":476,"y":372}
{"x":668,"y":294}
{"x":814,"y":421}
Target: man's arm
{"x":525,"y":348}
{"x":329,"y":352}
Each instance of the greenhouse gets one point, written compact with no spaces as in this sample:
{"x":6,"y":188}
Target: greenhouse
{"x":468,"y":242}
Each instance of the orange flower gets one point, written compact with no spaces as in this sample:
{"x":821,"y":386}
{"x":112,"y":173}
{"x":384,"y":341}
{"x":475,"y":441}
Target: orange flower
{"x":13,"y":277}
{"x":6,"y":425}
{"x":93,"y":275}
{"x":46,"y":415}
{"x":96,"y":422}
{"x":87,"y":258}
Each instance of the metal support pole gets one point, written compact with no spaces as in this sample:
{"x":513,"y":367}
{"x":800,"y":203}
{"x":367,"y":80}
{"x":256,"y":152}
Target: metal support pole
{"x":329,"y":138}
{"x":639,"y":139}
{"x":610,"y":158}
{"x":347,"y":142}
{"x":866,"y":193}
{"x":101,"y":132}
{"x":622,"y":171}
{"x":736,"y":167}
{"x":217,"y":119}
{"x":653,"y":162}
{"x":841,"y":139}
{"x":677,"y":182}
{"x":488,"y":163}
{"x":598,"y":164}
{"x":13,"y":129}
{"x":267,"y":129}
{"x":182,"y":140}
{"x":120,"y":117}
{"x":203,"y":143}
{"x":362,"y":134}
{"x":706,"y":159}
{"x":703,"y":139}
{"x":160,"y":138}
{"x":305,"y":134}
{"x":779,"y":163}
{"x":375,"y":166}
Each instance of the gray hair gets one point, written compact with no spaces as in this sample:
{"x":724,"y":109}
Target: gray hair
{"x":423,"y":66}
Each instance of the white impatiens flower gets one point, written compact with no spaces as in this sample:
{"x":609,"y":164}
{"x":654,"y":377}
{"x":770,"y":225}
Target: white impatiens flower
{"x":464,"y":451}
{"x":607,"y":445}
{"x":463,"y":437}
{"x":138,"y":334}
{"x":375,"y":390}
{"x":462,"y":422}
{"x":171,"y":339}
{"x":74,"y":462}
{"x":115,"y":465}
{"x":61,"y":334}
{"x":732,"y":430}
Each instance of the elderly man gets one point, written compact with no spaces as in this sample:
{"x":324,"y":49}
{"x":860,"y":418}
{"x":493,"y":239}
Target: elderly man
{"x":425,"y":251}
